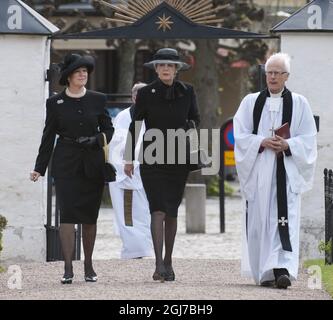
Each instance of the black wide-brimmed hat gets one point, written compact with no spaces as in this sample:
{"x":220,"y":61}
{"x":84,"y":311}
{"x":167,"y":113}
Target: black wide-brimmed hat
{"x":72,"y":62}
{"x":167,"y":55}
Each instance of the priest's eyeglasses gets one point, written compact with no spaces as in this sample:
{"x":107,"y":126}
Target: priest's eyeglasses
{"x":275,"y":73}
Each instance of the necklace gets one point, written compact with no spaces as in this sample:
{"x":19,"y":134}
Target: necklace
{"x":76,"y":95}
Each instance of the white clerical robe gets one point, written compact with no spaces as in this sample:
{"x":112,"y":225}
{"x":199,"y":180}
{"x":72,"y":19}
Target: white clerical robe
{"x":136,"y":239}
{"x":261,"y":246}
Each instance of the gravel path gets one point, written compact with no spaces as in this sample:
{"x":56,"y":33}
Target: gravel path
{"x":131,"y":280}
{"x":207,"y":267}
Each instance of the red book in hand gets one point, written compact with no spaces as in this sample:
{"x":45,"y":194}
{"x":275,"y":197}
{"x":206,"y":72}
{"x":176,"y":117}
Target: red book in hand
{"x":283,"y":131}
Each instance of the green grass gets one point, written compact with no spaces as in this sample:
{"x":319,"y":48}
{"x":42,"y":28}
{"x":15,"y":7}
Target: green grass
{"x":327,"y":273}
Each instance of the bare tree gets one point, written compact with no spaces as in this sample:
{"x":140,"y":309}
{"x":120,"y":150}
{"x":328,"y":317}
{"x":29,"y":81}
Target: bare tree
{"x":126,"y":53}
{"x":206,"y":81}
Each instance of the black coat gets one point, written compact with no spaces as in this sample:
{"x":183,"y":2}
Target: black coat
{"x":163,"y":107}
{"x":73,"y":118}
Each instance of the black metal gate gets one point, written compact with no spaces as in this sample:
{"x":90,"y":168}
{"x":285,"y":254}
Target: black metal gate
{"x":328,"y":183}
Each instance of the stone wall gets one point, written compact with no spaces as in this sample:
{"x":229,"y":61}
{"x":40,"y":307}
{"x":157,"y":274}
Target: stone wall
{"x":311,"y":76}
{"x":23,"y":90}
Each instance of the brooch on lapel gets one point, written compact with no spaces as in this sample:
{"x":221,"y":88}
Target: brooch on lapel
{"x":60,"y":101}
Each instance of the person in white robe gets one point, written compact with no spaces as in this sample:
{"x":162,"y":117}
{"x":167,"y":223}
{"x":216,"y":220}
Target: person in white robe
{"x":128,"y":196}
{"x":270,"y":239}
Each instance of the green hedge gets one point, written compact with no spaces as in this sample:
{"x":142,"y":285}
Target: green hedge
{"x":213,"y":188}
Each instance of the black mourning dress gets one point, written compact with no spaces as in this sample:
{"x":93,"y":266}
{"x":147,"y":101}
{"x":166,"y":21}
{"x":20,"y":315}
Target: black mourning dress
{"x":164,"y":107}
{"x":77,"y":169}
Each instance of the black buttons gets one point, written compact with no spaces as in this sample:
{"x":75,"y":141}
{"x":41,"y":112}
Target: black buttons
{"x":80,"y":111}
{"x":81,"y":124}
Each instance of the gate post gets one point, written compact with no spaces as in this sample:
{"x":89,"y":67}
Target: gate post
{"x":328,"y":184}
{"x":226,"y":159}
{"x":195,"y":197}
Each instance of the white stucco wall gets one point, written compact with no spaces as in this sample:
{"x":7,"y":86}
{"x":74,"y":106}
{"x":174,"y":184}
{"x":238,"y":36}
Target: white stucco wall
{"x":23,"y":90}
{"x":312,"y":76}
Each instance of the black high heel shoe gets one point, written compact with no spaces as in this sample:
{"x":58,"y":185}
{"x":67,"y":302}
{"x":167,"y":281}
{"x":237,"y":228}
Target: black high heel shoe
{"x":89,"y":273}
{"x":159,"y":276}
{"x":169,"y":275}
{"x":67,"y":278}
{"x":92,"y":277}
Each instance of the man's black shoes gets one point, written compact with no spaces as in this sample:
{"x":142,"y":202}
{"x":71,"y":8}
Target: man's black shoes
{"x":283,"y":282}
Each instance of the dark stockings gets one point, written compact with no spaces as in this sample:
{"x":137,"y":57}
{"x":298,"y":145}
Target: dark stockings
{"x":170,"y":234}
{"x":88,"y":239}
{"x":157,"y":220}
{"x":67,"y":238}
{"x":158,"y":232}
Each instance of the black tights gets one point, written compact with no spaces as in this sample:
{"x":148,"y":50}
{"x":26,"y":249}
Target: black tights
{"x":163,"y":226}
{"x":67,"y":237}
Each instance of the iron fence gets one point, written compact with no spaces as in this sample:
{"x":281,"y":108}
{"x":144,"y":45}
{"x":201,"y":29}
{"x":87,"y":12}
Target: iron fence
{"x":328,"y":183}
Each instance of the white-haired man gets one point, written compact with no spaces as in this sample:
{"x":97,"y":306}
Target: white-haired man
{"x":273,"y":173}
{"x":128,"y":196}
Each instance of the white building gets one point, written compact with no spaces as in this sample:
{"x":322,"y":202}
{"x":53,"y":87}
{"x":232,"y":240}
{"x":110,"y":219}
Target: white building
{"x":308,"y":37}
{"x":24,"y":59}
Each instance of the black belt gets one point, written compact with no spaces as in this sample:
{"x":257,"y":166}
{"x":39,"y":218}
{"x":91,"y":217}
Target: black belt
{"x":74,"y":140}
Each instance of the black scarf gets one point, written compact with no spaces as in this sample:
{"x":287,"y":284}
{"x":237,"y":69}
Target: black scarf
{"x":282,"y":201}
{"x":131,"y":110}
{"x":175,"y":91}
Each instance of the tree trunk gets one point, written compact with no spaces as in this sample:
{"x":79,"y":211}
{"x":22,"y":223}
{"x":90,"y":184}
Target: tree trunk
{"x":126,"y":51}
{"x":206,"y":82}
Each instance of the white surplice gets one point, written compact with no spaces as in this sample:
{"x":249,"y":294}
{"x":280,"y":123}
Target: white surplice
{"x":136,"y":239}
{"x":261,"y":246}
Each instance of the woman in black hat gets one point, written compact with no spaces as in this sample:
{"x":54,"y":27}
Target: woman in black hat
{"x":82,"y":122}
{"x":164,"y":104}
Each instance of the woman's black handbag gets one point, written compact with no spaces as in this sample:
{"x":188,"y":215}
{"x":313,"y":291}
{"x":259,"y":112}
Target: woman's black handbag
{"x":109,"y":170}
{"x":196,"y":157}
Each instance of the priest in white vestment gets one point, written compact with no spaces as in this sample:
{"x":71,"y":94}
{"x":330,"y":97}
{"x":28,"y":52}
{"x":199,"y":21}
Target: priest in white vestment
{"x":273,"y":173}
{"x":128,"y":196}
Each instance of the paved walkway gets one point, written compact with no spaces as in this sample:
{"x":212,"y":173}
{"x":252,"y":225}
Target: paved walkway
{"x":207,"y":267}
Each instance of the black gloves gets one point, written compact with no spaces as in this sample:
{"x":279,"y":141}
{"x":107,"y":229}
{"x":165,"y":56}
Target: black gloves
{"x":190,"y":124}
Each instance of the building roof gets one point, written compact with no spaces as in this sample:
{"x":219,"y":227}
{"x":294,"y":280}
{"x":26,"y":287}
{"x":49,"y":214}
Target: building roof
{"x":16,"y":17}
{"x":316,"y":16}
{"x":179,"y":27}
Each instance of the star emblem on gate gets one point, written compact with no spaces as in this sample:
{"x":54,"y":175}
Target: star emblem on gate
{"x":164,"y":22}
